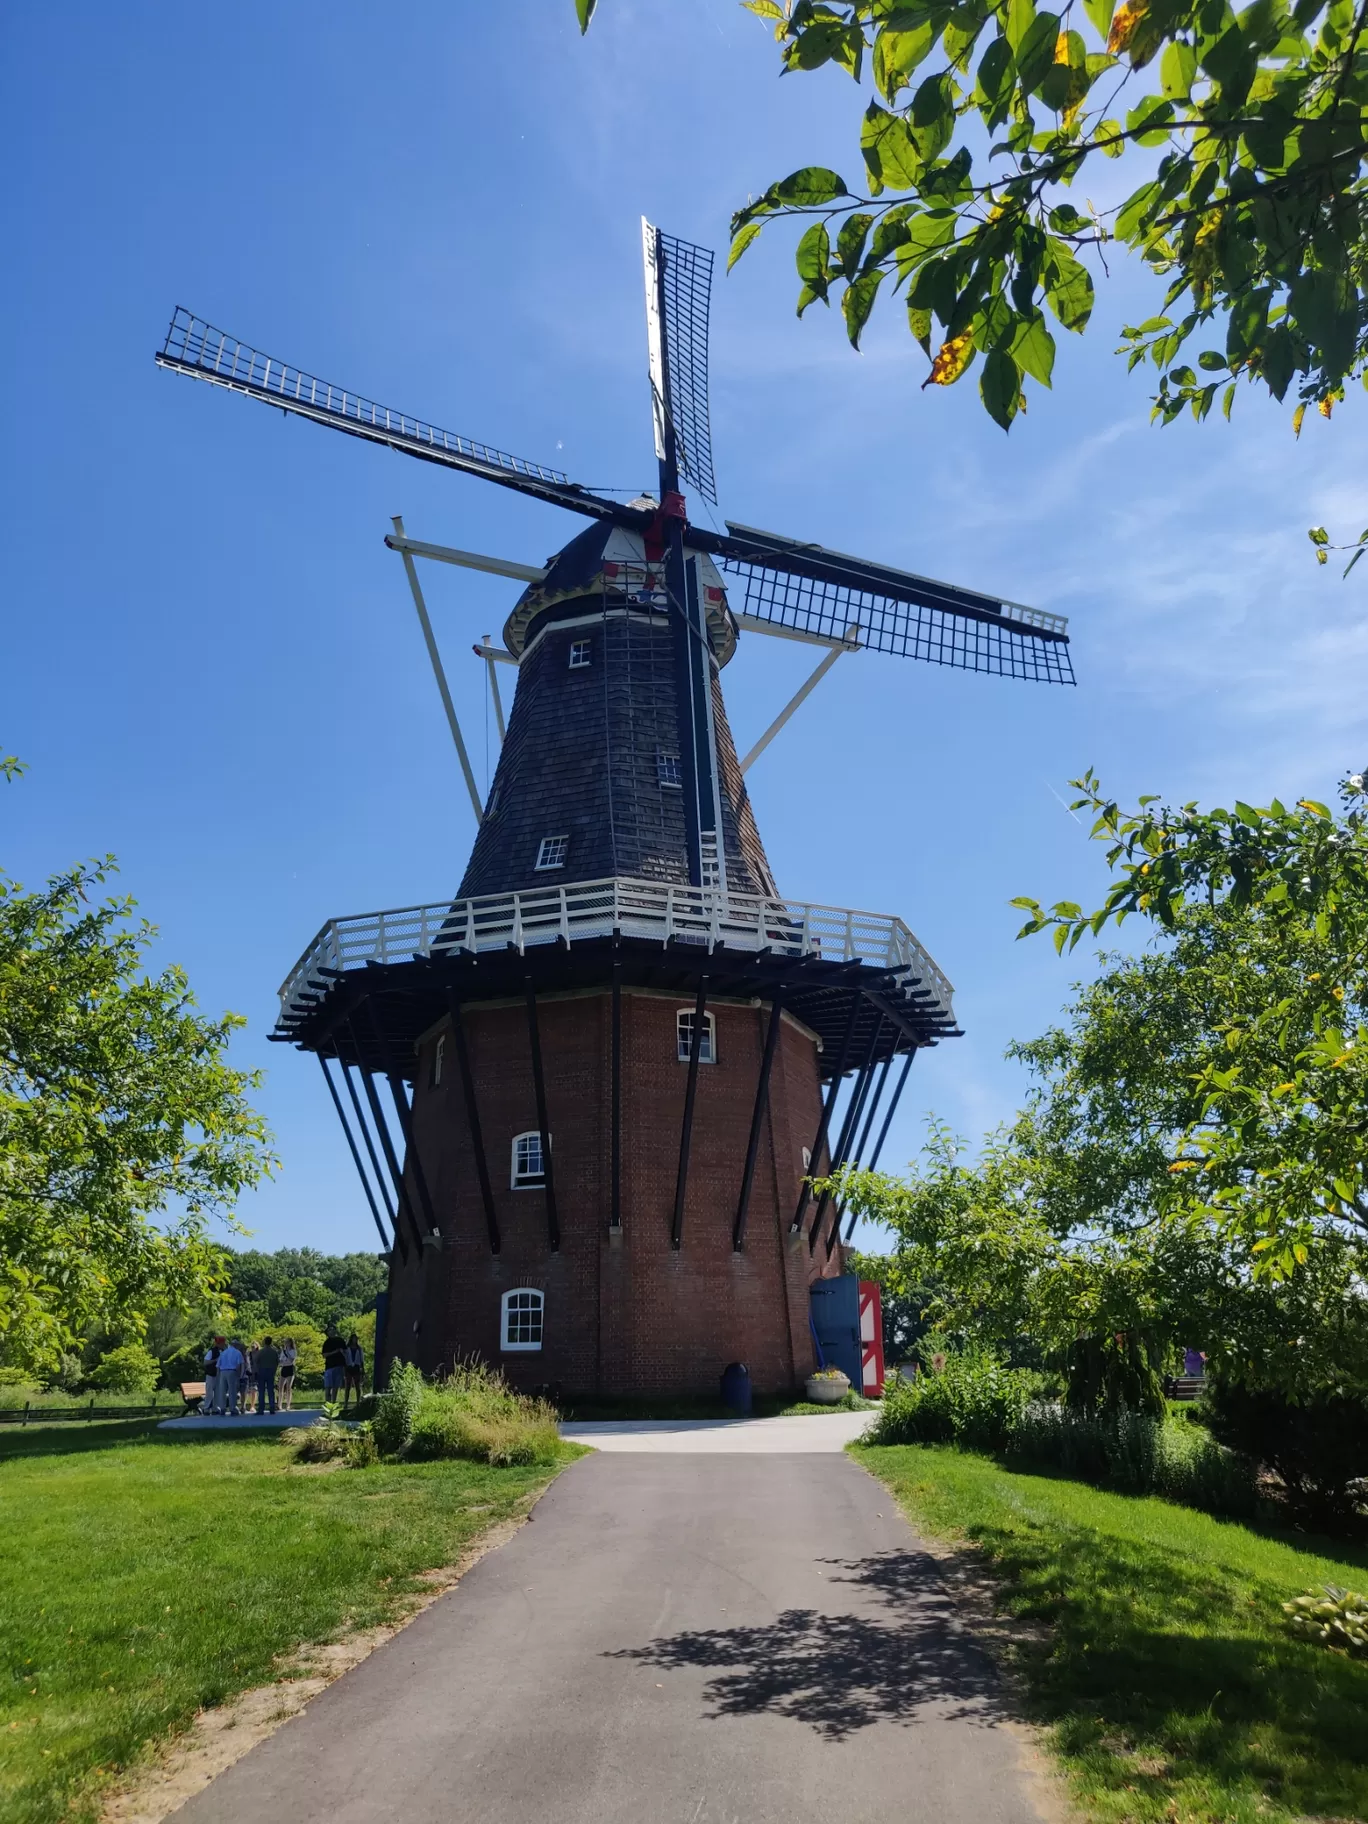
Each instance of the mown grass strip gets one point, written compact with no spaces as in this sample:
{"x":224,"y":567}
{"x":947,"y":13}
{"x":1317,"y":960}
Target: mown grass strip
{"x":146,"y":1574}
{"x":1171,"y":1686}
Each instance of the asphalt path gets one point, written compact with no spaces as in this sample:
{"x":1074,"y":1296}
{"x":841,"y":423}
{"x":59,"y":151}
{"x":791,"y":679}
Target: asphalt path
{"x":713,"y":1638}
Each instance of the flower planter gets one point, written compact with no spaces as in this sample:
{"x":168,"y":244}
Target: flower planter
{"x":827,"y":1389}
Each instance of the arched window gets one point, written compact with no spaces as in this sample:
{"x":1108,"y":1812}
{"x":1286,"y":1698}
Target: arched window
{"x":521,"y":1313}
{"x":529,"y":1168}
{"x":684,"y":1024}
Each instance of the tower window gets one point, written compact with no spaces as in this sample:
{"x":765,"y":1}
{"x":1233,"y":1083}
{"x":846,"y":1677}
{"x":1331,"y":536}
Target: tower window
{"x":529,"y":1170}
{"x":521,"y":1312}
{"x":668,"y":770}
{"x":684,"y":1024}
{"x":438,"y":1053}
{"x":493,"y":804}
{"x":553,"y":851}
{"x":581,"y":654}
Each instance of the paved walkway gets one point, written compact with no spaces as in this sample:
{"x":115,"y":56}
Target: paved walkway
{"x":750,"y":1437}
{"x":707,"y":1639}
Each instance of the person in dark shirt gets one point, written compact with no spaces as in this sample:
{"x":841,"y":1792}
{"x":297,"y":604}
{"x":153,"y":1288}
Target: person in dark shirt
{"x":267,"y":1361}
{"x":355,"y":1364}
{"x":334,"y":1365}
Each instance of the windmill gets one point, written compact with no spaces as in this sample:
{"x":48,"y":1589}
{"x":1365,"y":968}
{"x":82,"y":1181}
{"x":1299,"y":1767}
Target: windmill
{"x":616,"y":1056}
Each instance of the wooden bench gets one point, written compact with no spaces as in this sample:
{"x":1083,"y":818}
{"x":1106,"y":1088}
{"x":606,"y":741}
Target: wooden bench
{"x":192,"y":1392}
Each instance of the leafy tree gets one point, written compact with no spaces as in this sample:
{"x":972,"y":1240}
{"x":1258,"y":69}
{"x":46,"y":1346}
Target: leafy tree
{"x":1270,"y":1142}
{"x":128,"y":1369}
{"x":903,"y":1307}
{"x":328,"y":1288}
{"x":123,"y":1129}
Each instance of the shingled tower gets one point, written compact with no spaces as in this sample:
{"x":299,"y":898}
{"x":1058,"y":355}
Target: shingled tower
{"x":618,"y":1059}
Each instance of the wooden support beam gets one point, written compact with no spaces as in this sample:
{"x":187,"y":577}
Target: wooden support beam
{"x":405,"y":1114}
{"x":472,"y":1108}
{"x":686,"y":1132}
{"x":892,"y":1110}
{"x":849,"y":1128}
{"x":390,"y":1211}
{"x":352,"y":1148}
{"x":387,"y":1146}
{"x":539,"y":1086}
{"x":757,"y":1121}
{"x":615,"y":1193}
{"x":805,"y":1195}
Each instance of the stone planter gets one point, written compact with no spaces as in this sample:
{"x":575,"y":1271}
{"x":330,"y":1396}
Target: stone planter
{"x":827,"y":1389}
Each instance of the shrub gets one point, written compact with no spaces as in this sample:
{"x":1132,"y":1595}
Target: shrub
{"x":1335,"y":1618}
{"x":1138,"y":1454}
{"x":127,"y":1369}
{"x":320,"y":1443}
{"x":970,"y":1399}
{"x":1317,"y":1449}
{"x":476,"y":1414}
{"x":396,"y":1409}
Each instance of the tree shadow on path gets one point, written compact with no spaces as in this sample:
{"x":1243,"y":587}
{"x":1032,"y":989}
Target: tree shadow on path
{"x":895,"y":1654}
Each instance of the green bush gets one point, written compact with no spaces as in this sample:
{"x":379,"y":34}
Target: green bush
{"x":127,"y":1369}
{"x":1336,"y":1618}
{"x":475,"y":1414}
{"x":968,"y":1398}
{"x":1138,"y":1454}
{"x":1316,"y":1449}
{"x":396,"y":1409}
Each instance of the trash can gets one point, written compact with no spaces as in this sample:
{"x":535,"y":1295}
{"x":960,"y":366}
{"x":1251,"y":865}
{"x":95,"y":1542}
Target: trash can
{"x":736,"y":1387}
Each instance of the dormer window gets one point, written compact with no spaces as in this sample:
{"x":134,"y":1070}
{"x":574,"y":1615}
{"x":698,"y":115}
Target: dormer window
{"x":553,"y":851}
{"x":438,"y":1055}
{"x":581,"y":654}
{"x":668,"y":770}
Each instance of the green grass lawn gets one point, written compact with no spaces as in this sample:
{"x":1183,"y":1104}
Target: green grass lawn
{"x":145,"y":1574}
{"x":1172,"y":1689}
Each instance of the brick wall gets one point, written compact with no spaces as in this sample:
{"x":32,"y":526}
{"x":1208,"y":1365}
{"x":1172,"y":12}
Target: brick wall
{"x":625,"y":1312}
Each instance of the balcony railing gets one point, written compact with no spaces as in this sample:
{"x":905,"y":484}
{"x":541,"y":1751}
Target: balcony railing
{"x":583,"y":910}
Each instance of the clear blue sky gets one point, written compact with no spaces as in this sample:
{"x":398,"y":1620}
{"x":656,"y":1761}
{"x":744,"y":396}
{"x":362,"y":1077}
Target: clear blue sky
{"x":211,"y":662}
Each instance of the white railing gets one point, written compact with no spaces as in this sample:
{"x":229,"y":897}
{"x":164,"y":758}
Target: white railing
{"x":582,"y":910}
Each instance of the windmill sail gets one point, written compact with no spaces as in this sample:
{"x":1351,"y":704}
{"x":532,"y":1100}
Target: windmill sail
{"x":806,"y":588}
{"x":678,"y":298}
{"x":196,"y":348}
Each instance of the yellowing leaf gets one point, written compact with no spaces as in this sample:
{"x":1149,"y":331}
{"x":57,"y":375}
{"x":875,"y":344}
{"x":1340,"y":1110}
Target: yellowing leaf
{"x":1297,"y":417}
{"x":1123,"y":25}
{"x":1325,"y":407}
{"x":952,"y":358}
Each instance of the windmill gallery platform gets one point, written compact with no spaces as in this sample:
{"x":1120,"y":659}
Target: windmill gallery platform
{"x":615,"y":1057}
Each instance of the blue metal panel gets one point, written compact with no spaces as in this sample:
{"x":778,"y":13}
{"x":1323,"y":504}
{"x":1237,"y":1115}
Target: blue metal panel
{"x":835,"y":1306}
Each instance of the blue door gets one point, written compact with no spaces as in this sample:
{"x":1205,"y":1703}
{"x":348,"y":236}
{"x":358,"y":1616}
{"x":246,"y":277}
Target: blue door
{"x":835,"y":1305}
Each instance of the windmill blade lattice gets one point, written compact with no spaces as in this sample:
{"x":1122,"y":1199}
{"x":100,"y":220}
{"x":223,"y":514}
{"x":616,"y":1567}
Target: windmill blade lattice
{"x":808,"y":589}
{"x":196,"y":348}
{"x":684,"y":277}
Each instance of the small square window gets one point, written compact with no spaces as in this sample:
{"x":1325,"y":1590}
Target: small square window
{"x":438,"y":1054}
{"x":529,"y":1171}
{"x":668,"y":770}
{"x":521,"y":1312}
{"x":581,"y":654}
{"x":553,"y":851}
{"x":707,"y":1052}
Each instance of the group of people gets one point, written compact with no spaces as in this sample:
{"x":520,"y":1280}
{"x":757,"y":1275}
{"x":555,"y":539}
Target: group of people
{"x":237,"y":1375}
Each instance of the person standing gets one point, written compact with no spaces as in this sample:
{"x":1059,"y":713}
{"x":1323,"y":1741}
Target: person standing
{"x":249,"y":1370}
{"x":267,"y":1361}
{"x":354,"y":1366}
{"x":210,"y":1403}
{"x":334,"y":1365}
{"x":289,"y":1355}
{"x":229,"y":1374}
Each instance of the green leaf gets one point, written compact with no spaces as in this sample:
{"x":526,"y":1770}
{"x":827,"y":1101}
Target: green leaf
{"x":741,"y":240}
{"x":891,"y":232}
{"x":1109,"y":136}
{"x":1036,"y":51}
{"x":1033,"y":349}
{"x":1177,"y":70}
{"x":857,"y":301}
{"x":897,"y":54}
{"x":584,"y":12}
{"x":1000,"y":389}
{"x":891,"y":154}
{"x":809,"y":188}
{"x":1211,"y":362}
{"x":919,"y":322}
{"x":763,"y":9}
{"x":1100,"y":12}
{"x":1020,"y":14}
{"x":1068,"y":288}
{"x":812,"y":258}
{"x":995,"y":75}
{"x":850,"y":243}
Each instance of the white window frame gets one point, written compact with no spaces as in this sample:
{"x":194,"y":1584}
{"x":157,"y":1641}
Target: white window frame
{"x":549,"y":848}
{"x":669,"y":763}
{"x":521,"y":1180}
{"x":581,"y":654}
{"x":707,"y":1051}
{"x":438,"y":1055}
{"x":537,"y":1304}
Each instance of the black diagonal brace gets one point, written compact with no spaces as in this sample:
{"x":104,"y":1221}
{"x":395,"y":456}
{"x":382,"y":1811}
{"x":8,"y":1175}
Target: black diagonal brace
{"x":892,"y":1110}
{"x":757,"y":1121}
{"x":472,"y":1108}
{"x":405,"y":1114}
{"x":539,"y":1088}
{"x":814,"y":1156}
{"x":686,"y":1132}
{"x":615,"y":1189}
{"x":849,"y":1128}
{"x":387,"y":1146}
{"x":380,"y":1180}
{"x":353,"y":1149}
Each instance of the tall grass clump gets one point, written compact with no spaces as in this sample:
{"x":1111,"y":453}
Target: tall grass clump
{"x":475,"y":1414}
{"x":1137,"y":1453}
{"x":969,"y":1398}
{"x":396,"y":1410}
